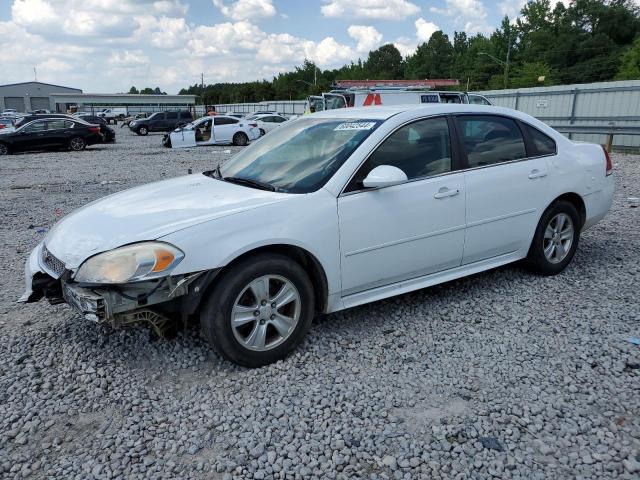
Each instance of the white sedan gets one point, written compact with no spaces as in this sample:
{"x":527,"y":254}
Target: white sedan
{"x":213,"y":130}
{"x":330,"y":211}
{"x":267,"y":121}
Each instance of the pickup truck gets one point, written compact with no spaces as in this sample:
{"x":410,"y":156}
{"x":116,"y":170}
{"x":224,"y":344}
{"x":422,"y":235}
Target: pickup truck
{"x":114,"y":114}
{"x":161,"y":122}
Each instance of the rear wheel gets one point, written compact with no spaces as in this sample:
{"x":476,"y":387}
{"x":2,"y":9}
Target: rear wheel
{"x":262,"y":132}
{"x":4,"y":150}
{"x":259,"y":310}
{"x":556,"y":239}
{"x":77,"y":144}
{"x":142,"y":131}
{"x":240,"y":139}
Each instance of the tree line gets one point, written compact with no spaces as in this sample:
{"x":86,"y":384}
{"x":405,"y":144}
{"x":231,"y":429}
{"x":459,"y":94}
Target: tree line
{"x":588,"y":41}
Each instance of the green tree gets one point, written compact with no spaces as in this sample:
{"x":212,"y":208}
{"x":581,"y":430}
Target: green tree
{"x":433,"y":59}
{"x":630,"y":63}
{"x":133,"y":90}
{"x":531,"y":74}
{"x":385,"y":63}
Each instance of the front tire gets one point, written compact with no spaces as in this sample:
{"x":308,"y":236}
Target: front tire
{"x":262,"y":132}
{"x":4,"y":149}
{"x":259,"y":310}
{"x":77,"y":144}
{"x":240,"y":139}
{"x":143,"y":131}
{"x":556,"y":239}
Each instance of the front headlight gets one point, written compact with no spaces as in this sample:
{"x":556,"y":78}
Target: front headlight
{"x":133,"y":263}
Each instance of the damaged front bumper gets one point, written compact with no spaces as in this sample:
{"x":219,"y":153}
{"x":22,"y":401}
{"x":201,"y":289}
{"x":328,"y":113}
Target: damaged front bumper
{"x":45,"y":277}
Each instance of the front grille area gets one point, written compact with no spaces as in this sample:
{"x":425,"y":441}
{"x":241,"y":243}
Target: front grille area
{"x":51,"y":263}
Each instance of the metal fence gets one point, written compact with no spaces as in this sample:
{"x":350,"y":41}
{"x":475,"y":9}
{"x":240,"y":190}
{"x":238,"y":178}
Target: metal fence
{"x":285,"y":107}
{"x":593,"y":105}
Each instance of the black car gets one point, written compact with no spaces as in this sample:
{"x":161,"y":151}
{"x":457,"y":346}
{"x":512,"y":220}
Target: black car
{"x":107,"y":132}
{"x":41,"y":134}
{"x":161,"y":122}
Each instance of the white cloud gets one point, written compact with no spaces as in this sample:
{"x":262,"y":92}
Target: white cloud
{"x":128,"y":59}
{"x":246,"y":9}
{"x":370,"y":9}
{"x":425,"y":29}
{"x":511,"y":8}
{"x":368,"y":37}
{"x":406,"y":46}
{"x":471,"y":15}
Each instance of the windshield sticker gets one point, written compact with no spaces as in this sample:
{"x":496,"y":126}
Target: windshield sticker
{"x":355,"y":126}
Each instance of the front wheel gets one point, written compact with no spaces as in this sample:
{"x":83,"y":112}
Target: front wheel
{"x":142,"y":131}
{"x":240,"y":139}
{"x":262,"y":132}
{"x":4,"y":150}
{"x":77,"y":144}
{"x":259,"y":310}
{"x":556,"y":239}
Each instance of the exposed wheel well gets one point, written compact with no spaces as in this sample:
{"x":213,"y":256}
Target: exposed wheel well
{"x":308,"y":262}
{"x":577,"y":201}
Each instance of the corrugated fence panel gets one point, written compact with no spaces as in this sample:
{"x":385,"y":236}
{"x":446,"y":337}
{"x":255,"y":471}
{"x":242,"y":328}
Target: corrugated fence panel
{"x":603,"y":103}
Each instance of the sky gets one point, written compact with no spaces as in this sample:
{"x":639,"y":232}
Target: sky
{"x":106,"y":46}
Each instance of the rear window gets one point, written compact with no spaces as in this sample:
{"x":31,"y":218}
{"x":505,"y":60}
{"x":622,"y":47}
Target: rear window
{"x":543,"y":144}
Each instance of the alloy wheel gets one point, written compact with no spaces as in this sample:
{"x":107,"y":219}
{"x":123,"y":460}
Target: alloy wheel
{"x":558,"y":238}
{"x":77,"y":144}
{"x":266,"y":312}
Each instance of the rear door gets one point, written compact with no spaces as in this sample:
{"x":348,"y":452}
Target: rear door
{"x":171,"y":120}
{"x":507,"y":186}
{"x":58,"y":132}
{"x":224,"y":128}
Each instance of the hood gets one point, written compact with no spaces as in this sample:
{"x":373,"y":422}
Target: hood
{"x":149,"y":212}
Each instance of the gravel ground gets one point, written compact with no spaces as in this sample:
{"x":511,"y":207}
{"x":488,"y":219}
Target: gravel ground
{"x":503,"y":374}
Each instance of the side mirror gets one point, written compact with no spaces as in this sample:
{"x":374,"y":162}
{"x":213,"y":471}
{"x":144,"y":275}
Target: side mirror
{"x":384,"y":176}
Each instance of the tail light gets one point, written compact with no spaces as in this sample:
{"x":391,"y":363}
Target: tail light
{"x":94,"y":129}
{"x":2,"y":125}
{"x":607,"y":157}
{"x":254,"y":125}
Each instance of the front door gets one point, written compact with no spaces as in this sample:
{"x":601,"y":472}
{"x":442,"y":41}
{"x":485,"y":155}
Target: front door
{"x":507,"y":186}
{"x":32,"y":136}
{"x":157,"y":122}
{"x":409,"y":230}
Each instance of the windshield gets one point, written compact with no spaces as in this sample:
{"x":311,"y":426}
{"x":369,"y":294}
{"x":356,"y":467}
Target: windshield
{"x":301,"y":155}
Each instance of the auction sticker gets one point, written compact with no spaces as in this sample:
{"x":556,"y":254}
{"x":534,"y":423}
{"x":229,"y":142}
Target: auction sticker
{"x":355,"y":126}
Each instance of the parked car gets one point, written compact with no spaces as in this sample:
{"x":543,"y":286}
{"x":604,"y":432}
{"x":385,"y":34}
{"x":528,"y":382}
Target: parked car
{"x":112,"y":114}
{"x":214,"y":130}
{"x":50,"y":133}
{"x":127,"y":120}
{"x":6,"y":122}
{"x":332,"y":210}
{"x":9,"y":111}
{"x":107,"y":132}
{"x":160,"y":122}
{"x":236,"y":114}
{"x":267,"y":122}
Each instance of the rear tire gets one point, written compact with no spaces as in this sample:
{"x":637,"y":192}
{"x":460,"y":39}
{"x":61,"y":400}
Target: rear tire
{"x":77,"y":144}
{"x":143,"y":131}
{"x":240,"y":139}
{"x":265,"y":329}
{"x":262,"y":133}
{"x":556,"y":239}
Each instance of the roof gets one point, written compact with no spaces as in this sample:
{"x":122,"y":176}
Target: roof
{"x":38,"y":83}
{"x":384,"y":112}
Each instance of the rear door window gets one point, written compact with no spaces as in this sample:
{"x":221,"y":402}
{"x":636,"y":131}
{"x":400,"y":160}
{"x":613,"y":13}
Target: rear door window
{"x":185,"y":115}
{"x":543,"y":143}
{"x":172,"y":115}
{"x":489,"y":139}
{"x":225,"y":121}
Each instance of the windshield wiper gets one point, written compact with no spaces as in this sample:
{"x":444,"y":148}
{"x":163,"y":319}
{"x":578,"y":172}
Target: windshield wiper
{"x":215,"y":173}
{"x":251,"y":183}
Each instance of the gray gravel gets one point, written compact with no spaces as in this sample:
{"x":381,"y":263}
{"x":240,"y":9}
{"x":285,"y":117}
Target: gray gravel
{"x":503,"y":374}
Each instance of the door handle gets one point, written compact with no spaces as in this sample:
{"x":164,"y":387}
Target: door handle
{"x":445,"y":192}
{"x":537,"y":174}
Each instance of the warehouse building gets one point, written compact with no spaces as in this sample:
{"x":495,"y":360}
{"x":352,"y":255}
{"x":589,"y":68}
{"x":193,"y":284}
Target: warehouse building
{"x":134,"y":103}
{"x":28,"y":96}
